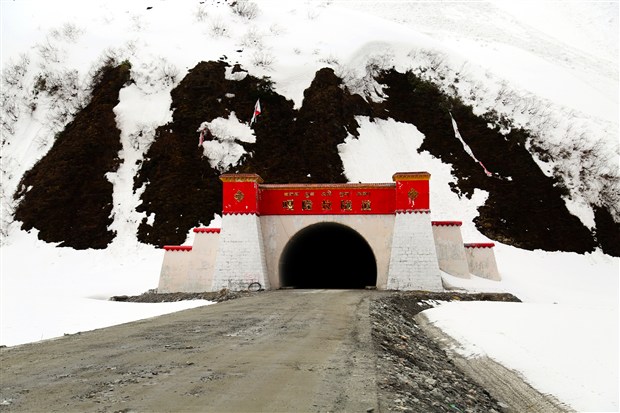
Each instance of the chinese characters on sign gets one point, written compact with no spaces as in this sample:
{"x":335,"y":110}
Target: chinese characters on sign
{"x":288,"y":204}
{"x":346,"y":204}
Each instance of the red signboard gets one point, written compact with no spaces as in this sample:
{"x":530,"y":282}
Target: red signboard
{"x":326,"y":199}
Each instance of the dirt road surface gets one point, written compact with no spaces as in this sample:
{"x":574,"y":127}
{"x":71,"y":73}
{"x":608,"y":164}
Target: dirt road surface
{"x":276,"y":351}
{"x":281,"y":351}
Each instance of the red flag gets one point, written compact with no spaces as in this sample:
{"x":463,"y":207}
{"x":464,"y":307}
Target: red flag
{"x":257,"y":111}
{"x":202,"y":138}
{"x":202,"y":129}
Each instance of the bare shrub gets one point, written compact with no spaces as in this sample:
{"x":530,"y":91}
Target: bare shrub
{"x":330,"y":60}
{"x":365,"y":84}
{"x":13,"y":73}
{"x":49,"y":51}
{"x":131,"y":47}
{"x":10,"y":110}
{"x":142,"y":139}
{"x":67,"y":97}
{"x":108,"y":59}
{"x":245,"y":8}
{"x":252,"y":38}
{"x":218,"y":28}
{"x":379,"y":62}
{"x":169,"y":73}
{"x":69,"y":32}
{"x":201,"y":13}
{"x":263,"y":59}
{"x":276,"y":29}
{"x":7,"y":211}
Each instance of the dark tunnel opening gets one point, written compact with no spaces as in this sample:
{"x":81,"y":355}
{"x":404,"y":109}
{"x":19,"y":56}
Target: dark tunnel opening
{"x":328,"y":255}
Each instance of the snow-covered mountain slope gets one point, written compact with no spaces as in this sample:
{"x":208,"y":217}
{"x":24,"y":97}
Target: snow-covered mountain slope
{"x":543,"y":75}
{"x":508,"y":70}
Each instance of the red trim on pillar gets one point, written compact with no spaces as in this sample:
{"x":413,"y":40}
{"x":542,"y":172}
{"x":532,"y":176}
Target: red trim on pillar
{"x":415,"y":211}
{"x":239,"y":213}
{"x":207,"y":230}
{"x":480,"y":245}
{"x":447,"y":223}
{"x":177,"y":247}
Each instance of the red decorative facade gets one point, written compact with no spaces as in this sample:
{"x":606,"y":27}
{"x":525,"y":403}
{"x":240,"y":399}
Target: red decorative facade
{"x":245,"y":194}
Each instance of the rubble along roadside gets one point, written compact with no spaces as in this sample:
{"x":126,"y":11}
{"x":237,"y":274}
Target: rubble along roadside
{"x":414,"y":373}
{"x":420,"y":373}
{"x":152,"y":296}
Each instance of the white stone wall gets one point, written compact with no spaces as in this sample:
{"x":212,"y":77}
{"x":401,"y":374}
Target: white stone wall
{"x":481,"y":261}
{"x":241,"y":259}
{"x":409,"y":252}
{"x":203,"y":258}
{"x":279,"y":229}
{"x":450,"y":250}
{"x":413,"y":262}
{"x":174,"y":276}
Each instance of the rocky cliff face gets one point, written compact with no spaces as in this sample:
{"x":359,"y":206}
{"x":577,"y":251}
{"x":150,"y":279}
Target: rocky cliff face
{"x":68,"y":199}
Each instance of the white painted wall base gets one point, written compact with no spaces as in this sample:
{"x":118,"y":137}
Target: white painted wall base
{"x":241,"y":257}
{"x":413,"y":261}
{"x":481,"y":261}
{"x":450,"y":250}
{"x":204,"y":253}
{"x":175,"y":275}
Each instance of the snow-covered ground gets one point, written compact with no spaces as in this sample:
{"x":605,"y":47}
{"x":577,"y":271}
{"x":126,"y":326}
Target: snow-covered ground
{"x":552,"y":66}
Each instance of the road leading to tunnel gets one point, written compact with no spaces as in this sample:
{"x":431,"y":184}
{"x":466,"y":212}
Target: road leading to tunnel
{"x":279,"y":351}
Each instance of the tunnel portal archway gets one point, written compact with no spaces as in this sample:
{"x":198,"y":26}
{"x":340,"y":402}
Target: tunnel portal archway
{"x":328,"y":255}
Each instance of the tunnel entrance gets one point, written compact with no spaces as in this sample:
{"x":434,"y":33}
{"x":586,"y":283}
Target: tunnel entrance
{"x":328,"y":255}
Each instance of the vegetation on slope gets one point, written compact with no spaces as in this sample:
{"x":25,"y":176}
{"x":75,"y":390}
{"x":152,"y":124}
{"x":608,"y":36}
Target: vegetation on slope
{"x":66,"y":195}
{"x":70,"y":199}
{"x":524,"y":207}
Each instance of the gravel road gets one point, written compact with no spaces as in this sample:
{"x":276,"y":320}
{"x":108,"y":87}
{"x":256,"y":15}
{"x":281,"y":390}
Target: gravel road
{"x":276,"y":351}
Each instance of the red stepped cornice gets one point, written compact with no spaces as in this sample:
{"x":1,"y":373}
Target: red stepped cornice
{"x":480,"y":245}
{"x":207,"y":230}
{"x":446,"y":223}
{"x":177,"y":247}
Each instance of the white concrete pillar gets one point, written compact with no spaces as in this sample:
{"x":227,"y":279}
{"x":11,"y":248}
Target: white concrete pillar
{"x":450,"y":250}
{"x":204,"y":252}
{"x":481,"y":260}
{"x":240,"y":259}
{"x":413,"y":261}
{"x":174,"y":276}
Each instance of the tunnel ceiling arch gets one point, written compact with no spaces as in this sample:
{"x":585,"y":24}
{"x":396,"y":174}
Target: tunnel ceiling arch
{"x":328,"y":255}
